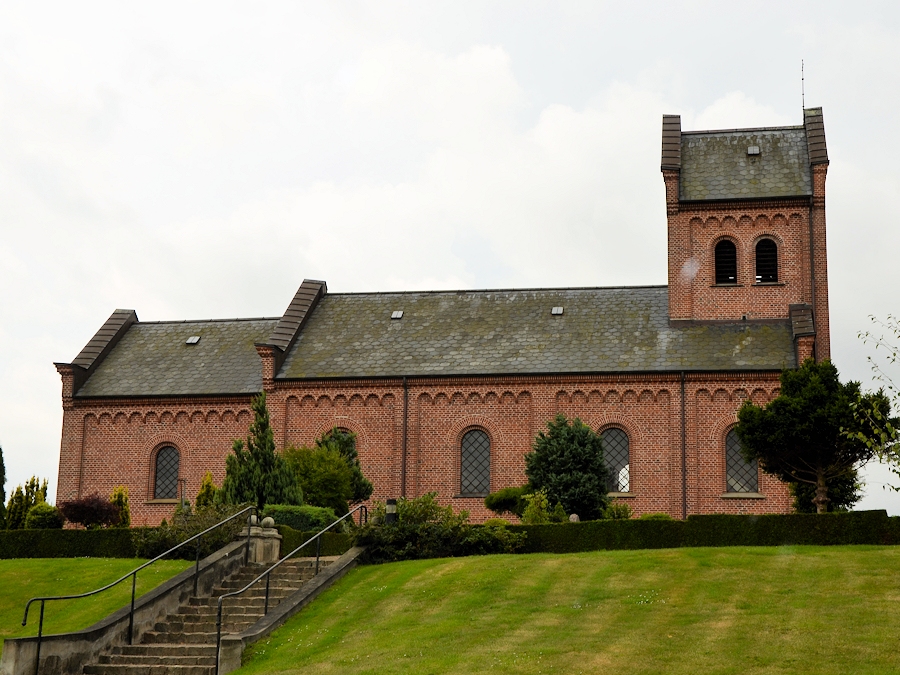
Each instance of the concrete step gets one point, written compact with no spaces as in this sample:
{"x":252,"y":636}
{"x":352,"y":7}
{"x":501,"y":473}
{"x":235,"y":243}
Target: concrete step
{"x":155,"y":660}
{"x":229,"y":625}
{"x":133,"y":669}
{"x":165,"y":650}
{"x":155,"y":637}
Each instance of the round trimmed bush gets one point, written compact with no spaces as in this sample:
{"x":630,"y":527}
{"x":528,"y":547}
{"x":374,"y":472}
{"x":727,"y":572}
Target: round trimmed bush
{"x":42,"y":516}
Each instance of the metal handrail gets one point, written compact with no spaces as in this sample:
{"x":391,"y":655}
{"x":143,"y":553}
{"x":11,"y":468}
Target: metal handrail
{"x":133,"y":575}
{"x":364,"y":513}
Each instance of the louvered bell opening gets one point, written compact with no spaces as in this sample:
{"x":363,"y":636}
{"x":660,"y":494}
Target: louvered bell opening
{"x":766,"y":262}
{"x":741,"y":475}
{"x":726,"y":263}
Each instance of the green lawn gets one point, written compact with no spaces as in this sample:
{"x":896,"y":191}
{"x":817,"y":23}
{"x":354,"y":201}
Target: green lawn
{"x":25,"y":578}
{"x":817,"y":610}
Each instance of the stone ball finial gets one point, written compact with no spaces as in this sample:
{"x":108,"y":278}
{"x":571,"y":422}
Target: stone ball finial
{"x":253,"y":521}
{"x":574,"y":518}
{"x":268,"y":521}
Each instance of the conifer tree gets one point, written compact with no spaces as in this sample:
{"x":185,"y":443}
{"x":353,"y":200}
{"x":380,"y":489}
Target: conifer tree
{"x":207,"y":495}
{"x":119,"y":499}
{"x":16,"y":510}
{"x":345,"y":443}
{"x":255,"y":473}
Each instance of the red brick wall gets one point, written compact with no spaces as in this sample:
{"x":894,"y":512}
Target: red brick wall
{"x":110,"y":443}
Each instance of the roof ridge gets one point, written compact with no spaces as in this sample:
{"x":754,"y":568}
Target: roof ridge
{"x":173,"y":321}
{"x":502,"y":290}
{"x":731,"y":131}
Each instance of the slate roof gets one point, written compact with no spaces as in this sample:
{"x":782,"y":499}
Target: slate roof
{"x":514,"y":332}
{"x":716,"y":165}
{"x":152,"y":359}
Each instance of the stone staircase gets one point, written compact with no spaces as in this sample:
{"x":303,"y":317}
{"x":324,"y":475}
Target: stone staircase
{"x":185,"y":642}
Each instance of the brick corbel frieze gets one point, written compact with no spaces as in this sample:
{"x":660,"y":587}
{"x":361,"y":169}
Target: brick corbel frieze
{"x":66,"y":372}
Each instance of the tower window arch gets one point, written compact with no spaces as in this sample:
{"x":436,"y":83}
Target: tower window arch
{"x":766,"y":261}
{"x":617,"y":457}
{"x":166,"y":482}
{"x":726,"y":262}
{"x":740,"y":475}
{"x":475,"y":463}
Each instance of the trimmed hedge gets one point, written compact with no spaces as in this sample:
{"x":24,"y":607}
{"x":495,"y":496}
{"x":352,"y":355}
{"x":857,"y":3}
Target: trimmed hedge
{"x":108,"y":543}
{"x":859,"y":527}
{"x":333,"y":543}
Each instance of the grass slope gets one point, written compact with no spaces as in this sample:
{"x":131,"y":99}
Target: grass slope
{"x":819,"y":610}
{"x":25,"y":578}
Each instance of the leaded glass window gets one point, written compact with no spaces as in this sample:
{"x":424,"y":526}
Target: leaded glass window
{"x":166,"y":474}
{"x":741,"y":475}
{"x":475,"y":463}
{"x":726,"y":262}
{"x":616,"y":456}
{"x":766,"y":262}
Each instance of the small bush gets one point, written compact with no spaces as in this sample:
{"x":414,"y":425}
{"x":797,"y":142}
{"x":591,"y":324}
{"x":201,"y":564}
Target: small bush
{"x":207,"y":495}
{"x":508,"y":500}
{"x":91,"y":511}
{"x":42,"y":516}
{"x":119,"y":499}
{"x":496,"y":522}
{"x":151,"y":542}
{"x":618,"y":511}
{"x":655,"y":516}
{"x":537,"y":510}
{"x":333,"y":543}
{"x":424,"y":529}
{"x":301,"y":518}
{"x":323,"y":475}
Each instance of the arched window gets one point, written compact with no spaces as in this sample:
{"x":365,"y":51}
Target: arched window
{"x":741,"y":475}
{"x":475,"y":463}
{"x":616,"y":457}
{"x":726,"y":262}
{"x":766,"y":261}
{"x":166,"y":486}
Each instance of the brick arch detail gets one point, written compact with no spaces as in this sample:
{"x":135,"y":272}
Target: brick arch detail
{"x":604,"y":421}
{"x":345,"y":422}
{"x":459,"y":429}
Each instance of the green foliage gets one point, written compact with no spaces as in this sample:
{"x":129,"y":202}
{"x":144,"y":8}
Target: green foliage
{"x":617,"y":510}
{"x":537,"y":510}
{"x":496,"y":522}
{"x":304,"y":518}
{"x":843,"y":493}
{"x":151,"y":542}
{"x":508,"y":500}
{"x":21,"y":501}
{"x":425,"y":529}
{"x":567,"y":462}
{"x":345,"y":443}
{"x":207,"y":495}
{"x":42,"y":516}
{"x":655,"y":516}
{"x":857,"y":527}
{"x":324,"y":476}
{"x":107,"y":543}
{"x":91,"y":511}
{"x":257,"y":475}
{"x":809,"y":433}
{"x":119,"y":499}
{"x":333,"y":543}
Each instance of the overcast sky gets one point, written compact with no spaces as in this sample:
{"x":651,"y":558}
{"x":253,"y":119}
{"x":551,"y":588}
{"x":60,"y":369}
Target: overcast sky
{"x":199,"y":160}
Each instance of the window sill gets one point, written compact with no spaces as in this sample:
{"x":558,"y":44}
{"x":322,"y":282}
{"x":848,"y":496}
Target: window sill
{"x":726,"y":285}
{"x":163,"y":501}
{"x":621,"y":495}
{"x":472,"y":495}
{"x":769,"y":283}
{"x":743,"y":495}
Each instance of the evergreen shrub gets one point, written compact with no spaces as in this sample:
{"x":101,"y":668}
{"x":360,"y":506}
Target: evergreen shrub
{"x":301,"y":518}
{"x":108,"y":543}
{"x":43,"y":516}
{"x":152,"y":541}
{"x":333,"y":543}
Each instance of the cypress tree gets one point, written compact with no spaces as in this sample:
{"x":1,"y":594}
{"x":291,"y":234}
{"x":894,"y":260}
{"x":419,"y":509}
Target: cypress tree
{"x":2,"y":491}
{"x":254,"y":473}
{"x":17,"y":510}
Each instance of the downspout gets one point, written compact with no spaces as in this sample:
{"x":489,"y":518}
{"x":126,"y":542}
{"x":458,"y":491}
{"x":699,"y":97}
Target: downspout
{"x":405,"y":429}
{"x":683,"y":454}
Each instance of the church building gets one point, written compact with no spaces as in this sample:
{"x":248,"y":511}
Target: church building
{"x":446,"y":390}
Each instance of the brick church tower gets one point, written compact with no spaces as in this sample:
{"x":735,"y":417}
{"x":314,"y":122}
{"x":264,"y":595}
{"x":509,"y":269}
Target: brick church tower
{"x":746,"y":227}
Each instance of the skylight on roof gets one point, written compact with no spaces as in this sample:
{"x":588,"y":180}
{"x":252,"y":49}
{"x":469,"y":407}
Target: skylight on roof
{"x":397,"y":314}
{"x":194,"y":339}
{"x":753,"y":150}
{"x":556,"y":311}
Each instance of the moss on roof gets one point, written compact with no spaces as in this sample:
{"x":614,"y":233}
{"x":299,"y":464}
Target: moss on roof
{"x":716,"y":165}
{"x":514,"y":332}
{"x":152,"y":359}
